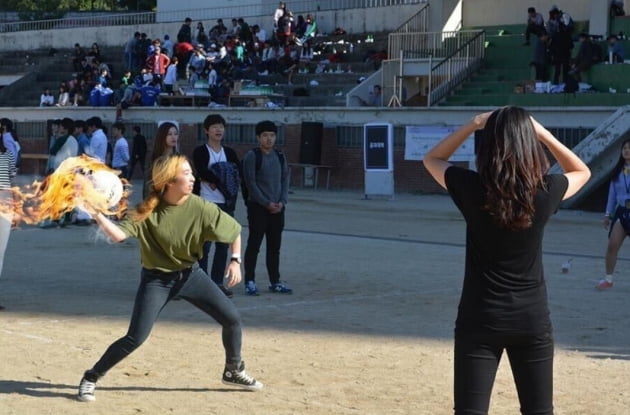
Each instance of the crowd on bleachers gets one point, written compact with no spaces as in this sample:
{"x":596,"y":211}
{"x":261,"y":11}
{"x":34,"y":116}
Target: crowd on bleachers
{"x":554,"y":47}
{"x":201,"y":61}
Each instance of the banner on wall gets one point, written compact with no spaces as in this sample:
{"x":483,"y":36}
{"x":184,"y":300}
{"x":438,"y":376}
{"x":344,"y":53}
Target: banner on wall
{"x":420,"y":139}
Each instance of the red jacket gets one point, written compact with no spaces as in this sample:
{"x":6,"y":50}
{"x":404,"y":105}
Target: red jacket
{"x":158,"y":63}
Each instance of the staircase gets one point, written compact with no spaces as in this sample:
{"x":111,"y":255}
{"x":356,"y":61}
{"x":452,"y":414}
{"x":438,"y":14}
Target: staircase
{"x":506,"y":71}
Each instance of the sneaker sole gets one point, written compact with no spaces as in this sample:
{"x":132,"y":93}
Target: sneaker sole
{"x":86,"y":398}
{"x":253,"y":388}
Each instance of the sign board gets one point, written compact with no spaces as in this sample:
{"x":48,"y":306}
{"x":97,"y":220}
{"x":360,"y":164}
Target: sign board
{"x":378,"y":159}
{"x":378,"y":146}
{"x":420,"y":139}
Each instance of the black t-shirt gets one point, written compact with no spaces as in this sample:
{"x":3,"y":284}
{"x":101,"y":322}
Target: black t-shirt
{"x":504,"y":287}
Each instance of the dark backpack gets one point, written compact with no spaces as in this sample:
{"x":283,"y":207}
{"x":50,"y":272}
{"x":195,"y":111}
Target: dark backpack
{"x":258,"y":154}
{"x":228,"y":181}
{"x":571,"y":84}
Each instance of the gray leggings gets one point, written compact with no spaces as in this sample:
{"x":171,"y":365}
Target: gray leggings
{"x":6,"y":196}
{"x":155,"y":291}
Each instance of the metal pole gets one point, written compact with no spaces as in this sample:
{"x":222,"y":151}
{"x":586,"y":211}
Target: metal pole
{"x":430,"y":80}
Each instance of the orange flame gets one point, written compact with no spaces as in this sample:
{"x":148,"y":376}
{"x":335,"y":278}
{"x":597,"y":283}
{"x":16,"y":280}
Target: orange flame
{"x":66,"y":188}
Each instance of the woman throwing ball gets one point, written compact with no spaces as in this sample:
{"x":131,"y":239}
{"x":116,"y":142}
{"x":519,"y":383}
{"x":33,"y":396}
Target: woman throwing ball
{"x":172,"y":226}
{"x":506,"y":204}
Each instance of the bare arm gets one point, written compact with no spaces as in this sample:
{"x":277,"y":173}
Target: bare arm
{"x":436,"y":160}
{"x":233,"y":271}
{"x":575,"y":170}
{"x":109,"y":228}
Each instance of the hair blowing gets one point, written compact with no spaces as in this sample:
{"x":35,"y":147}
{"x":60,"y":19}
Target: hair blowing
{"x":165,"y":171}
{"x":511,"y":163}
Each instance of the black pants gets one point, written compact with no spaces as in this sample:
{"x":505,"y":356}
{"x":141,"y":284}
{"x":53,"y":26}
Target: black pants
{"x":263,"y":224}
{"x":477,"y":358}
{"x":561,"y":66}
{"x":154,"y":292}
{"x":132,"y":166}
{"x":542,"y":72}
{"x":219,"y":261}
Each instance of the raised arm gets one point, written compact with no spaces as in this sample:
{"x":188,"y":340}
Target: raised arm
{"x":575,"y":170}
{"x":436,"y":160}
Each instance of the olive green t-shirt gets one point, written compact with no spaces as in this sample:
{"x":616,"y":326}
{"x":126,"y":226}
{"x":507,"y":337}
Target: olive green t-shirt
{"x":172,"y":237}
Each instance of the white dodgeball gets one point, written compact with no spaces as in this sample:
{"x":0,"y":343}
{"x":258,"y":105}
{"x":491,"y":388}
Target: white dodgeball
{"x":108,"y":185}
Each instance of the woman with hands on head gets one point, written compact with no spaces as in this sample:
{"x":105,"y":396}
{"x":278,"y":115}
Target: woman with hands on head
{"x":617,"y":216}
{"x":172,"y":225}
{"x":506,"y":204}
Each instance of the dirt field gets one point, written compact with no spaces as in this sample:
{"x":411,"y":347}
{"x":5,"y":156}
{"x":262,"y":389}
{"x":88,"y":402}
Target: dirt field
{"x":367,"y":331}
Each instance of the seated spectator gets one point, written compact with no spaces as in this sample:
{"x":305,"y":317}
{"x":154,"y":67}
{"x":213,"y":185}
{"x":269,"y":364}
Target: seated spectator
{"x":80,"y":93}
{"x":64,"y":97}
{"x":585,"y":57}
{"x":300,"y":26}
{"x":94,"y":52}
{"x":616,"y":51}
{"x":131,"y":97}
{"x":149,"y":94}
{"x":46,"y":99}
{"x":376,"y":98}
{"x":103,"y":78}
{"x":616,"y":8}
{"x":77,"y":57}
{"x":260,"y":35}
{"x":310,"y":32}
{"x":535,"y":24}
{"x":376,"y":58}
{"x":126,"y":79}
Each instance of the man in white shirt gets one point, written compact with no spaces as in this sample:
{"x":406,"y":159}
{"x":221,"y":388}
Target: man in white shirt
{"x":98,"y":139}
{"x":120,"y":158}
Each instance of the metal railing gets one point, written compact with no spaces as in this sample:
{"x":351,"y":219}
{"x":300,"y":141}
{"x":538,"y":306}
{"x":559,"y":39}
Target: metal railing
{"x":416,"y":45}
{"x":451,"y":71}
{"x":419,"y":22}
{"x":245,"y":11}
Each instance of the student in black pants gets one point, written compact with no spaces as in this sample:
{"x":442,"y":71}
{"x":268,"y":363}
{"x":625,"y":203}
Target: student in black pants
{"x":506,"y":204}
{"x":266,"y":176}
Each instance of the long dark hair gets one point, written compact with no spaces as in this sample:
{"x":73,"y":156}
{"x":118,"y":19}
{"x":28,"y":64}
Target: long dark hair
{"x":511,"y":163}
{"x":5,"y":122}
{"x":620,"y":163}
{"x":159,"y":145}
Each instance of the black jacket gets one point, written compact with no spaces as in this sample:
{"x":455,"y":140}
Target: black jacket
{"x":201,"y":158}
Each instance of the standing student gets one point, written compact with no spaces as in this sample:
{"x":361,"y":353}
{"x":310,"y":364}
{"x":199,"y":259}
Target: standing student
{"x":617,"y":216}
{"x":266,"y":176}
{"x":98,"y":139}
{"x":164,"y":144}
{"x":215,"y":164}
{"x":10,"y":139}
{"x":7,"y":173}
{"x":120,"y":156}
{"x":172,"y":225}
{"x":506,"y":204}
{"x":138,"y":151}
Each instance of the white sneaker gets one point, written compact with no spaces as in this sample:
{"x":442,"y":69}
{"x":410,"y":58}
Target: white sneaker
{"x":86,"y":391}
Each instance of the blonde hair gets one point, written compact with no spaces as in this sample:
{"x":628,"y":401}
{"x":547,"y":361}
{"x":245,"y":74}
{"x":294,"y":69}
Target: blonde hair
{"x":165,"y":170}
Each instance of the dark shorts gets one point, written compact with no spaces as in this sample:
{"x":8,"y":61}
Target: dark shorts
{"x":622,"y":214}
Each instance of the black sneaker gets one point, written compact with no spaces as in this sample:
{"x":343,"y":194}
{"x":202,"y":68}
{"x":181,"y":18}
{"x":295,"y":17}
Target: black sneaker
{"x":228,"y":293}
{"x":238,"y":377}
{"x":86,"y":391}
{"x":280,"y":288}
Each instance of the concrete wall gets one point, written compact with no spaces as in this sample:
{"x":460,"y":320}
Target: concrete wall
{"x":496,"y":12}
{"x":346,"y":162}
